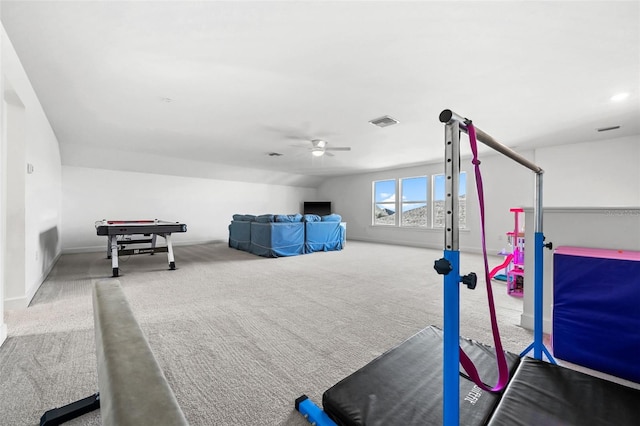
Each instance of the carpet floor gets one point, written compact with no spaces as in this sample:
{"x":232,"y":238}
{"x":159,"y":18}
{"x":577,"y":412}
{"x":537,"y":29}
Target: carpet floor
{"x":239,"y":337}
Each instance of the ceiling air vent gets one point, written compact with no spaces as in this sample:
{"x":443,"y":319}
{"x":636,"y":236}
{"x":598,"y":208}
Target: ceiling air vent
{"x":274,"y":154}
{"x":384,"y":121}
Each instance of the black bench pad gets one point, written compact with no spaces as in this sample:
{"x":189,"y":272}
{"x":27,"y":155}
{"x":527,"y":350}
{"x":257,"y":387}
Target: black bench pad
{"x":404,"y":386}
{"x":545,"y":394}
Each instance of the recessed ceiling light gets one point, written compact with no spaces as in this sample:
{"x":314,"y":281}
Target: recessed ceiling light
{"x":619,"y":97}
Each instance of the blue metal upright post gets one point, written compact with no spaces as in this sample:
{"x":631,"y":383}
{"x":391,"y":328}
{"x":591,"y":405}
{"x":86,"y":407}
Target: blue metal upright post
{"x":454,"y":123}
{"x":538,"y":280}
{"x":538,"y":304}
{"x":451,"y":369}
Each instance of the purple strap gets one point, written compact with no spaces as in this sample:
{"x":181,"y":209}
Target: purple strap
{"x":467,"y":364}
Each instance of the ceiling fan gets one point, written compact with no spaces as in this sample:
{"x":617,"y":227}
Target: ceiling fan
{"x":321,"y":147}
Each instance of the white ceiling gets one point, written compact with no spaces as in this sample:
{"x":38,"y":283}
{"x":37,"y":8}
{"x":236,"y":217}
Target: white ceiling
{"x":228,"y":82}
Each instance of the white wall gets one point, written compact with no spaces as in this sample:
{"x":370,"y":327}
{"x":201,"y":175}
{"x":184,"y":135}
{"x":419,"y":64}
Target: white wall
{"x":586,"y":186}
{"x":34,"y":203}
{"x":3,"y":188}
{"x":592,"y":174}
{"x":14,"y":274}
{"x":595,"y":174}
{"x":506,"y":184}
{"x":591,"y":199}
{"x":205,"y":205}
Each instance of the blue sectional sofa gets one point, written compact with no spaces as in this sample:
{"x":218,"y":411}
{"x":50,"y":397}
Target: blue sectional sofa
{"x":277,"y":235}
{"x":286,"y":235}
{"x":324,"y":233}
{"x":240,"y":231}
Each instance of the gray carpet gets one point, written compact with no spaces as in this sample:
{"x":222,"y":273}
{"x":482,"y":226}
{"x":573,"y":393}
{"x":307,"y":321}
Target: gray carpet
{"x":239,"y":337}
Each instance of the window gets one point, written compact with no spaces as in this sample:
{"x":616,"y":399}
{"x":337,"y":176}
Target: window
{"x":415,"y":207}
{"x":437,"y":201}
{"x":414,"y":201}
{"x":384,"y":204}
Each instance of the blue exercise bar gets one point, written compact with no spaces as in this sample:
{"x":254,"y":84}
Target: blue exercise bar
{"x":454,"y":124}
{"x":451,"y":331}
{"x":451,"y":272}
{"x":449,"y":266}
{"x":537,"y":345}
{"x":312,"y":412}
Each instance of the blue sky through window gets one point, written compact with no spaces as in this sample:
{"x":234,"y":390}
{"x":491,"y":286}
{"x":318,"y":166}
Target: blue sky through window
{"x":414,"y":189}
{"x":439,"y":187}
{"x":414,"y":193}
{"x":385,"y":191}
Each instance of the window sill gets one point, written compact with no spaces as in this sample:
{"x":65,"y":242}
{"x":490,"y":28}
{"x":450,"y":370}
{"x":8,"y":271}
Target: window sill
{"x":415,"y":228}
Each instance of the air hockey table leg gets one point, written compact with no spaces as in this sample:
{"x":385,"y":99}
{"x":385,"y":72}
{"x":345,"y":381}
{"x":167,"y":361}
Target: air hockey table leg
{"x":153,"y":243}
{"x":114,"y":255}
{"x":172,"y":262}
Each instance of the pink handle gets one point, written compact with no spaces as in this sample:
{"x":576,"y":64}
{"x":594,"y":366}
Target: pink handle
{"x":467,"y":364}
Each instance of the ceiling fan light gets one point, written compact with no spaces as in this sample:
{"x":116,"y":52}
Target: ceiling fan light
{"x":316,"y":152}
{"x":319,"y":143}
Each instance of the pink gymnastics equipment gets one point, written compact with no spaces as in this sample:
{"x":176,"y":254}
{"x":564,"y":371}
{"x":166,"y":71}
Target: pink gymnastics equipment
{"x":501,"y":266}
{"x":515,"y":271}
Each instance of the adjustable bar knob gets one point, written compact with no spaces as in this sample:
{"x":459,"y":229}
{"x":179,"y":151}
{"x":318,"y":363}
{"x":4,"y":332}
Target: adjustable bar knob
{"x":442,"y":266}
{"x":470,"y":280}
{"x":548,"y":245}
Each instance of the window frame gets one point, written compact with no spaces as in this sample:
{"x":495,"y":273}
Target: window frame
{"x":402,"y":201}
{"x":462,"y":207}
{"x":393,"y":203}
{"x":430,"y":202}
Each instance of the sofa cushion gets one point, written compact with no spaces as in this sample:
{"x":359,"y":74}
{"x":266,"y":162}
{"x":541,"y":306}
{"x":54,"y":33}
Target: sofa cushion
{"x":265,"y":218}
{"x":288,"y":217}
{"x":332,"y":218}
{"x":312,"y":218}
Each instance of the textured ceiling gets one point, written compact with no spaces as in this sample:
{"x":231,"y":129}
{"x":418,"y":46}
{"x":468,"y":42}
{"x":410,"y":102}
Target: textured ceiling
{"x":226,"y":83}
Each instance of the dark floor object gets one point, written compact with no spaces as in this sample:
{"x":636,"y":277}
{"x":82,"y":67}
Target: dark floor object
{"x":57,"y":416}
{"x":404,"y":386}
{"x":545,"y":394}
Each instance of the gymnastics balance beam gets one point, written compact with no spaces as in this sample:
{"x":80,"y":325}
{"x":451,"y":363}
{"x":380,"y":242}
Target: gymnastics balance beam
{"x":133,"y":388}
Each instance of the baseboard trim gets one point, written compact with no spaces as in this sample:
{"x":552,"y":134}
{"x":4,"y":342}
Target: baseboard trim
{"x":24,"y":301}
{"x":3,"y":333}
{"x":473,"y":250}
{"x":526,"y":321}
{"x":15,"y":303}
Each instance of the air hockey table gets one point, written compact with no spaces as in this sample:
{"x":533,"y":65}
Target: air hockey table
{"x":123,"y":233}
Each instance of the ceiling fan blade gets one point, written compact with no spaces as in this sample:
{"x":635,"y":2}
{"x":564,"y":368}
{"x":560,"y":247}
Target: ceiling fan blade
{"x":296,"y":136}
{"x":328,"y":154}
{"x":338,"y":148}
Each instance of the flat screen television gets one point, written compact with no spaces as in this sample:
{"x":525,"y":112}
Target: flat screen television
{"x":321,"y":208}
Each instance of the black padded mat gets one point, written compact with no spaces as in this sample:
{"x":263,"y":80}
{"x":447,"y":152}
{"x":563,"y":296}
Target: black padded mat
{"x":545,"y":394}
{"x":404,"y":386}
